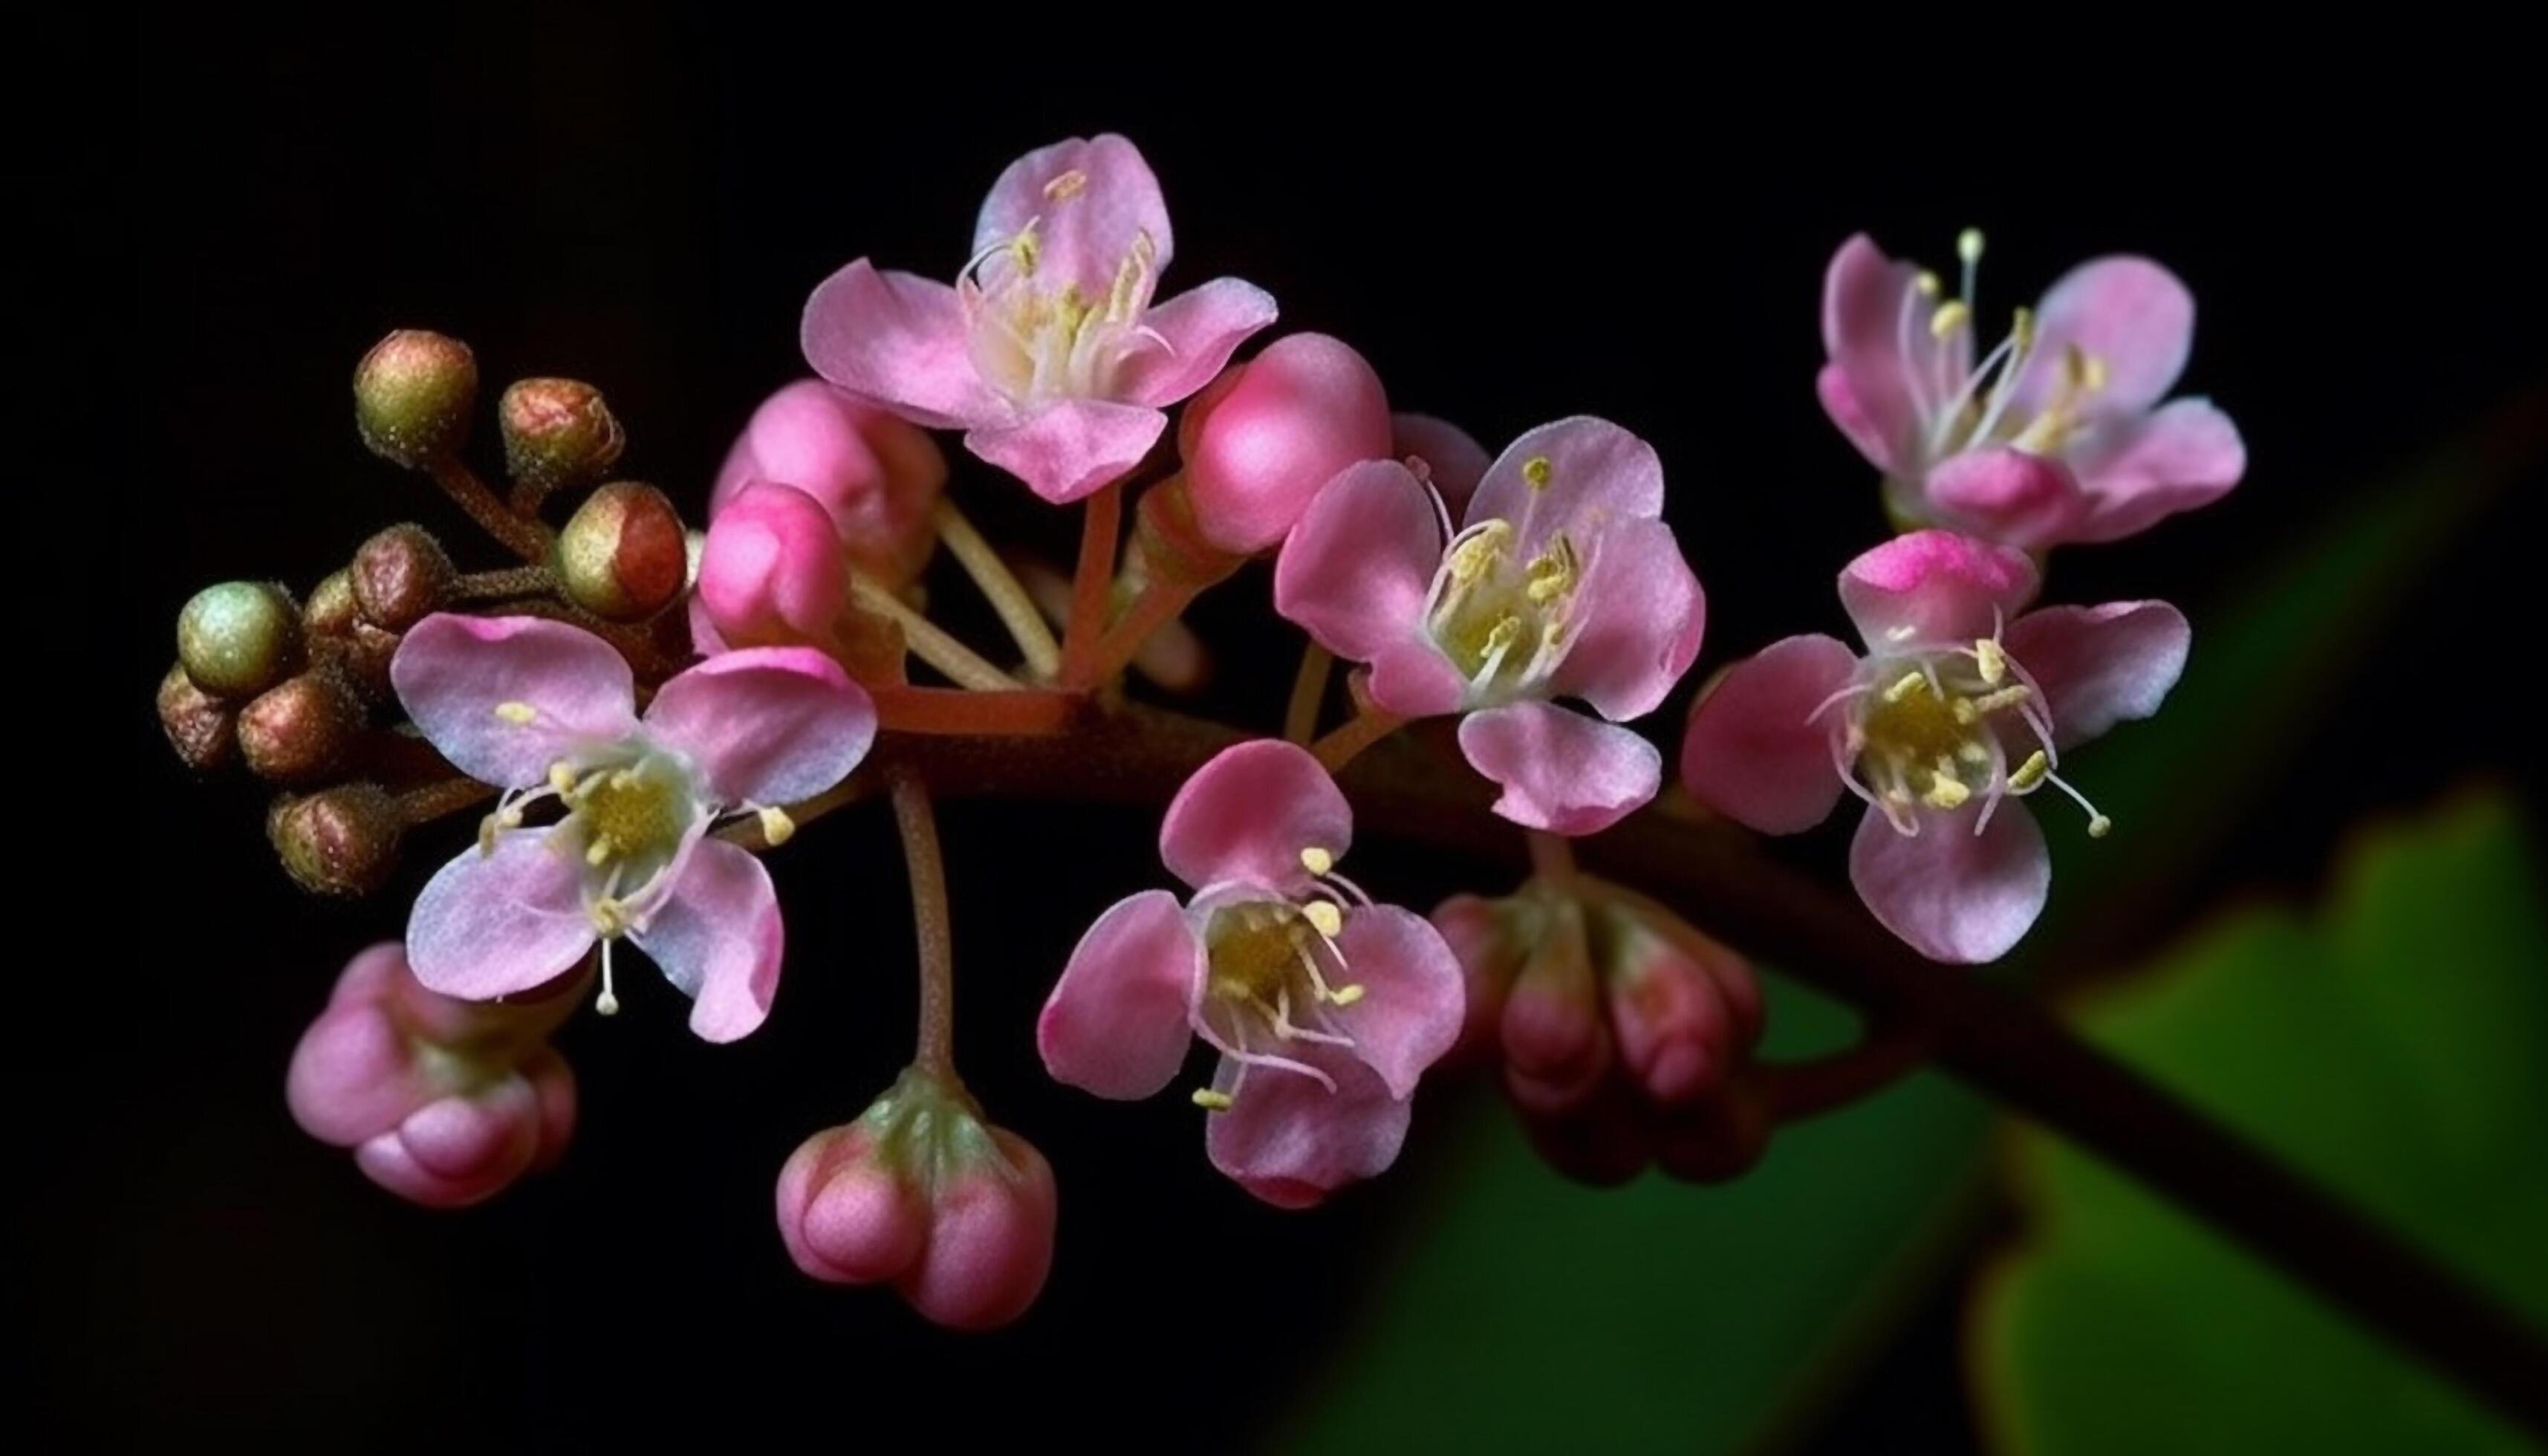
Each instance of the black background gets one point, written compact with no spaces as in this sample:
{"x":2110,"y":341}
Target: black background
{"x":644,"y":201}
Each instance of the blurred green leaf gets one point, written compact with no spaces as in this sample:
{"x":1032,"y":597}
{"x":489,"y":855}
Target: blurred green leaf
{"x":2395,"y":1047}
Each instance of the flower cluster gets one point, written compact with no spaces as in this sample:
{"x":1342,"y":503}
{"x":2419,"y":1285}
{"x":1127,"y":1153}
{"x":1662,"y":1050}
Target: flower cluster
{"x":633,"y":714}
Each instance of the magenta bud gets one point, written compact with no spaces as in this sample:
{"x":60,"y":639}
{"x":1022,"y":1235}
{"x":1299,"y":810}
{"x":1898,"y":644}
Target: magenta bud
{"x":341,"y":841}
{"x":559,"y":435}
{"x":624,"y":554}
{"x":400,"y":576}
{"x":198,"y":724}
{"x":1260,"y":440}
{"x":878,"y":476}
{"x":301,"y":729}
{"x":1556,"y":1042}
{"x":772,"y":570}
{"x":990,"y":1239}
{"x":846,"y":1214}
{"x":443,"y":1102}
{"x":1490,"y":940}
{"x":413,"y":394}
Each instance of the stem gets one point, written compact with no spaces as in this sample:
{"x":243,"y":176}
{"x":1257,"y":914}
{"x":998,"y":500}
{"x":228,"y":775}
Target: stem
{"x":1346,"y":743}
{"x":1001,"y":589}
{"x":1802,"y":1089}
{"x":1552,"y":858}
{"x":930,"y":643}
{"x":1309,"y":690}
{"x":1101,"y":525}
{"x":936,"y":1053}
{"x":1159,"y":605}
{"x":427,"y":802}
{"x":511,"y":580}
{"x":523,"y":536}
{"x":2006,"y":1047}
{"x":1020,"y":712}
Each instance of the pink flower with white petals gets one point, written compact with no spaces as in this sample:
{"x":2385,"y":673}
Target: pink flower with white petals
{"x":548,"y":712}
{"x":1958,"y":708}
{"x":1325,"y":1007}
{"x":2058,"y":434}
{"x":1048,"y":351}
{"x":1562,"y":581}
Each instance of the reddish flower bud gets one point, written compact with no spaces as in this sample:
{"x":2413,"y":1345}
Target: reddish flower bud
{"x":413,"y":394}
{"x":341,"y":841}
{"x":301,"y":729}
{"x":238,"y":638}
{"x":400,"y":576}
{"x":1555,"y":1041}
{"x":333,"y":619}
{"x":1492,"y":938}
{"x":846,"y":1214}
{"x":197,"y":723}
{"x":878,"y":476}
{"x":990,"y":1237}
{"x":1261,"y":440}
{"x":624,"y":554}
{"x":772,"y":570}
{"x":559,"y":435}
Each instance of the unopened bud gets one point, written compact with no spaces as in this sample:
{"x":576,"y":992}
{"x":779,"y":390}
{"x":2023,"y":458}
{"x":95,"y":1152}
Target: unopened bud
{"x":624,"y":554}
{"x":335,"y":621}
{"x":1260,"y":442}
{"x":341,"y":841}
{"x":238,"y":638}
{"x":1489,"y":938}
{"x":300,"y":730}
{"x":197,"y":723}
{"x":1168,"y":543}
{"x":400,"y":576}
{"x":558,"y":434}
{"x":1718,"y":1138}
{"x":413,"y":394}
{"x":1557,"y":1043}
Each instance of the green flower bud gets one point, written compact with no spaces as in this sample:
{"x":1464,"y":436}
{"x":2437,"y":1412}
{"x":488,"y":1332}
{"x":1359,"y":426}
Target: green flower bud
{"x":400,"y":577}
{"x":341,"y":841}
{"x":558,"y":434}
{"x":624,"y":554}
{"x":197,"y":723}
{"x":238,"y":638}
{"x":301,"y":729}
{"x":413,"y":394}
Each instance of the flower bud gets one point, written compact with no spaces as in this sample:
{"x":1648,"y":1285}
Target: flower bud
{"x":413,"y":394}
{"x":624,"y":554}
{"x":444,"y":1101}
{"x":559,"y":435}
{"x":400,"y":576}
{"x":1490,"y":940}
{"x":335,"y":621}
{"x":919,"y":1192}
{"x":1678,"y":1033}
{"x":1557,"y":1044}
{"x":772,"y":570}
{"x":1261,"y":440}
{"x":238,"y":638}
{"x":1716,"y":1139}
{"x":1601,"y":1138}
{"x":197,"y":723}
{"x":301,"y":729}
{"x":877,"y":474}
{"x":341,"y":841}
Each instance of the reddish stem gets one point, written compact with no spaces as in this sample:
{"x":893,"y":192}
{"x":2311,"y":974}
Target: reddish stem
{"x":1029,"y":711}
{"x":935,"y":1053}
{"x":1101,"y":527}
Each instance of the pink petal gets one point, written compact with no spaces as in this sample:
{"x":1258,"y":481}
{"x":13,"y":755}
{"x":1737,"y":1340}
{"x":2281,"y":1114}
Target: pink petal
{"x":1454,"y":461}
{"x":1865,"y":295}
{"x":1413,"y":679}
{"x":1642,"y":615}
{"x":1561,"y":771}
{"x":1072,"y":447}
{"x":1952,"y":894}
{"x":2007,"y":496}
{"x":898,"y":340}
{"x":1356,"y":571}
{"x":1413,"y":995}
{"x":1291,"y":1142}
{"x":1084,"y":227}
{"x":457,"y":1151}
{"x":1198,"y":331}
{"x":2100,"y":665}
{"x":465,"y":679}
{"x":1840,"y":401}
{"x":1246,"y":816}
{"x":494,"y":925}
{"x":1269,"y":434}
{"x":1116,"y":1023}
{"x":1934,"y":587}
{"x":2131,"y":315}
{"x":719,"y":938}
{"x":353,"y":1076}
{"x":1594,"y":473}
{"x":766,"y":725}
{"x":1751,"y":752}
{"x":2137,"y":472}
{"x":771,"y":567}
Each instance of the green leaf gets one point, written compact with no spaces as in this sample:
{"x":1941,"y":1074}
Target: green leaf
{"x":2395,"y":1047}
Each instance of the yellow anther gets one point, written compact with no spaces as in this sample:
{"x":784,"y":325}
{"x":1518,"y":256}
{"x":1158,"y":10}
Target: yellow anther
{"x":2099,"y":826}
{"x":562,"y":777}
{"x":1973,"y":753}
{"x":1992,"y":661}
{"x":1551,"y":576}
{"x":1068,"y":185}
{"x":509,"y":816}
{"x":1952,"y":315}
{"x":1947,"y":793}
{"x":1928,"y":284}
{"x":2022,"y":328}
{"x":487,"y":835}
{"x":608,"y":916}
{"x":1537,"y":471}
{"x":1905,"y":686}
{"x":1027,"y":250}
{"x":2031,"y":772}
{"x":516,"y":713}
{"x":2007,"y":697}
{"x":775,"y":825}
{"x":1324,"y":915}
{"x":1210,"y":1101}
{"x":1316,"y":861}
{"x":1346,"y":995}
{"x":1477,"y":553}
{"x":1965,"y":711}
{"x":1968,"y":246}
{"x":1505,"y":632}
{"x":2092,"y":374}
{"x":600,"y":851}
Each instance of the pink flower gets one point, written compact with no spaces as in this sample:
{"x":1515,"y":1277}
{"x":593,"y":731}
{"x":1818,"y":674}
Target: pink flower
{"x":875,"y":475}
{"x":1954,"y":711}
{"x":1260,"y":442}
{"x":1325,"y":1007}
{"x":1048,"y":351}
{"x":443,"y":1102}
{"x":2058,"y":434}
{"x":547,"y":711}
{"x":1562,"y":583}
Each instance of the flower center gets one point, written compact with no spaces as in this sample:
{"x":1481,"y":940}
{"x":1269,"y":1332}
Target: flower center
{"x":1505,"y":622}
{"x":1272,"y":971}
{"x":1966,"y":407}
{"x":1034,"y":342}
